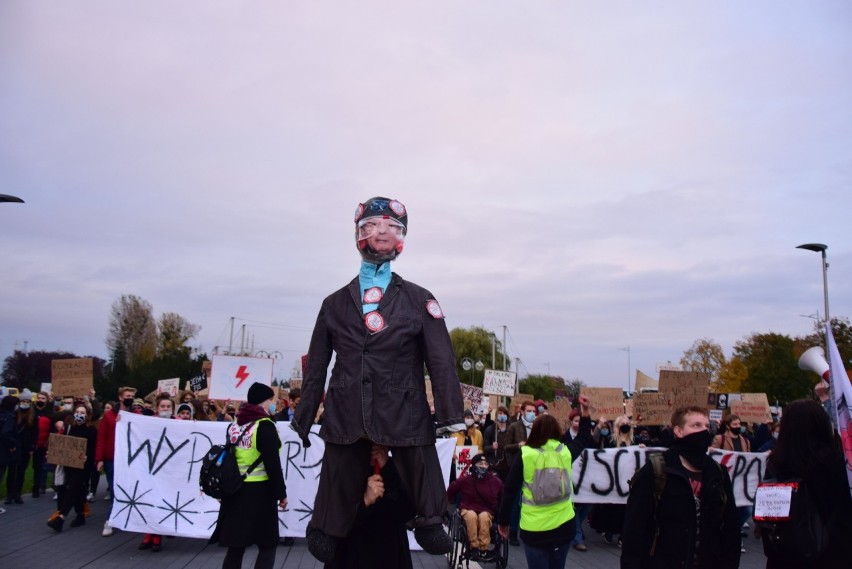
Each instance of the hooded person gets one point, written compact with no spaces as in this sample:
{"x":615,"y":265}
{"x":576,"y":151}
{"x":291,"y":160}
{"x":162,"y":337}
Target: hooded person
{"x":384,"y":331}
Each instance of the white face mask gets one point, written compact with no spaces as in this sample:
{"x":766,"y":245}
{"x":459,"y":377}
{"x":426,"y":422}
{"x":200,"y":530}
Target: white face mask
{"x":468,"y":422}
{"x":165,"y":414}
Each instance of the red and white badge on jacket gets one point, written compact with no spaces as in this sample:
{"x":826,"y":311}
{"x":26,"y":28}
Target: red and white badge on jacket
{"x":434,"y":309}
{"x":372,"y":295}
{"x":375,"y":321}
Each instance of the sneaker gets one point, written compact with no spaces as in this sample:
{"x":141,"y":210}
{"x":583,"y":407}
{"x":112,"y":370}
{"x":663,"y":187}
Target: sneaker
{"x":56,"y":524}
{"x":107,"y":530}
{"x":108,"y":496}
{"x":322,"y":546}
{"x":433,"y":539}
{"x":90,"y":497}
{"x":608,"y":538}
{"x":156,"y":543}
{"x":580,"y":547}
{"x":2,"y":511}
{"x":54,"y":496}
{"x":742,"y":550}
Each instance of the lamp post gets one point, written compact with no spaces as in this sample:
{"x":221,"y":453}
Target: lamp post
{"x":468,"y":365}
{"x":820,"y":248}
{"x":8,"y":198}
{"x":627,"y":349}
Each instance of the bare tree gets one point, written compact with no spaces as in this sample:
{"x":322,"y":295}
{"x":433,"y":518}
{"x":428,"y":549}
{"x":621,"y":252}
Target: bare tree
{"x":704,"y":355}
{"x":174,"y":332}
{"x":132,"y":330}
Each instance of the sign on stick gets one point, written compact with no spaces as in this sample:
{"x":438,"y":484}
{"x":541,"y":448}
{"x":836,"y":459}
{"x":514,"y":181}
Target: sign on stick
{"x":71,"y":376}
{"x":497,"y":382}
{"x":604,"y":401}
{"x":651,"y":409}
{"x":231,"y":376}
{"x":169,"y":386}
{"x":67,"y":451}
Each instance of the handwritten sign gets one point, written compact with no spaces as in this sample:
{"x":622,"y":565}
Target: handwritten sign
{"x":72,"y":376}
{"x":169,"y":386}
{"x":651,"y":409}
{"x":560,"y":409}
{"x":772,"y":501}
{"x":498,"y":382}
{"x":198,"y":383}
{"x":673,"y":380}
{"x":605,"y":402}
{"x":518,"y":399}
{"x":751,"y":412}
{"x":462,"y":456}
{"x":67,"y":451}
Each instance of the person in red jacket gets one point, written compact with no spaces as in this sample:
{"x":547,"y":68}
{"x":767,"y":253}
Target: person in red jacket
{"x":480,"y":492}
{"x":43,"y":412}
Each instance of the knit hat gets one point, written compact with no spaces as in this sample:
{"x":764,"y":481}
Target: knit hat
{"x":477,"y":458}
{"x":139,"y":402}
{"x":468,"y":413}
{"x":183,"y":406}
{"x":26,"y":395}
{"x":258,"y":393}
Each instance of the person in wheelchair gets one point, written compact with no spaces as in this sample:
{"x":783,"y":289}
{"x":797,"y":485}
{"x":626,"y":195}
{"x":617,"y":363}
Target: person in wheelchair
{"x":480,"y":491}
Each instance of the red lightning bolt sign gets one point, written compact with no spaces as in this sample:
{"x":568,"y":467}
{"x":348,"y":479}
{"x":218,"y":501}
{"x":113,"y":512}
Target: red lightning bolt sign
{"x":242,"y":375}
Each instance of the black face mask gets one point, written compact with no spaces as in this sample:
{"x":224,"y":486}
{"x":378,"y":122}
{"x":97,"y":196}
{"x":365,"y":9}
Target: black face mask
{"x":128,"y":402}
{"x":479,"y":471}
{"x":624,"y":429}
{"x":40,"y":404}
{"x":693,"y":447}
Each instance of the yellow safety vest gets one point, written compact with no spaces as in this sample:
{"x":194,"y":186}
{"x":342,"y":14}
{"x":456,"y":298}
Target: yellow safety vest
{"x":553,"y":460}
{"x":246,"y":453}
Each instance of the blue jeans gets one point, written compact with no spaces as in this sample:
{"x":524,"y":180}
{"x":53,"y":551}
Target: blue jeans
{"x":581,"y":512}
{"x":109,"y":468}
{"x":547,"y":558}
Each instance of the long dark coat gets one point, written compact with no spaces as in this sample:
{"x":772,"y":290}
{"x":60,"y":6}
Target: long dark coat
{"x":377,"y":385}
{"x":676,"y":520}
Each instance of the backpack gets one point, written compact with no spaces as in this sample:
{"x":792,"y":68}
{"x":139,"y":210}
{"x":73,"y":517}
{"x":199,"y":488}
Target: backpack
{"x":790,"y":525}
{"x":658,"y":463}
{"x":551,"y":482}
{"x":220,"y":474}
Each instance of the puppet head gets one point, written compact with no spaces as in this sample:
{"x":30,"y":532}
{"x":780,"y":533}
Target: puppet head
{"x":380,"y":228}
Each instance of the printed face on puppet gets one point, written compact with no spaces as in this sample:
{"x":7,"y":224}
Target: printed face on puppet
{"x":380,"y":228}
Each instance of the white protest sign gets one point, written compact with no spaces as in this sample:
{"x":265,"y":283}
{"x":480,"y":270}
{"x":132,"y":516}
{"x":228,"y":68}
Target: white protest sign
{"x":716,"y":415}
{"x":169,"y":386}
{"x":231,"y":376}
{"x":46,"y":387}
{"x":772,"y":501}
{"x":601,"y":476}
{"x":498,"y":382}
{"x":156,"y":475}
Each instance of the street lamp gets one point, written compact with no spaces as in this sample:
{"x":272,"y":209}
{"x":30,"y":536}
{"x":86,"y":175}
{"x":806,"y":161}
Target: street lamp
{"x":820,"y":248}
{"x":8,"y":198}
{"x":468,"y":365}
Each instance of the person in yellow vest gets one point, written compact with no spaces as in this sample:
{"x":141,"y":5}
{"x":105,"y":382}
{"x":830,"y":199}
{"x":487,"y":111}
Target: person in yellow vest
{"x":543,"y":477}
{"x":251,"y":515}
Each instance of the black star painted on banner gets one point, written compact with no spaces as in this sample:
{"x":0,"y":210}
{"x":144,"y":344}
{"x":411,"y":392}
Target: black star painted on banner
{"x":132,"y":503}
{"x":280,"y":520}
{"x":177,"y":509}
{"x":211,"y":526}
{"x":308,"y":511}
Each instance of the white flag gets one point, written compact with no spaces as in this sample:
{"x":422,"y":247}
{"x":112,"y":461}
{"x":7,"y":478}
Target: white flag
{"x":841,"y":390}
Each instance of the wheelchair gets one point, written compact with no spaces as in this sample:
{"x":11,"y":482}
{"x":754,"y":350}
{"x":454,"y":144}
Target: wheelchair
{"x":461,"y":555}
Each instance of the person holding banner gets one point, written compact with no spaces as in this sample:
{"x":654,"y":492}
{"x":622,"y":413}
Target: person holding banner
{"x":384,"y":331}
{"x":251,"y":515}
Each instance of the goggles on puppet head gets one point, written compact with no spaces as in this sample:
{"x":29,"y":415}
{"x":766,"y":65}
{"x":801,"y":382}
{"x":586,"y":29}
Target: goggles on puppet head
{"x":380,"y":228}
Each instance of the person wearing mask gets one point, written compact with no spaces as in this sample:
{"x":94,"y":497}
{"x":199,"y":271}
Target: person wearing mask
{"x":540,"y":407}
{"x":471,"y":435}
{"x":184,"y":412}
{"x":734,"y":437}
{"x":148,"y":407}
{"x":693,"y":523}
{"x":43,"y":411}
{"x":76,"y":479}
{"x":105,"y":449}
{"x":608,"y":519}
{"x":579,"y":435}
{"x":494,"y":440}
{"x":208,"y":407}
{"x":518,"y":433}
{"x":251,"y":515}
{"x":10,"y":446}
{"x":774,"y":433}
{"x":26,"y":433}
{"x":809,"y":449}
{"x":139,"y":406}
{"x":480,"y":491}
{"x":547,"y":524}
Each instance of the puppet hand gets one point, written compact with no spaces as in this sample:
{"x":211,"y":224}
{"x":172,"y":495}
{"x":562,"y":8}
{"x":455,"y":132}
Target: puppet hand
{"x":375,"y":489}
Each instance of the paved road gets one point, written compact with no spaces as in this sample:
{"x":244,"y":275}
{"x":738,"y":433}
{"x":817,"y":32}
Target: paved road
{"x":27,"y":543}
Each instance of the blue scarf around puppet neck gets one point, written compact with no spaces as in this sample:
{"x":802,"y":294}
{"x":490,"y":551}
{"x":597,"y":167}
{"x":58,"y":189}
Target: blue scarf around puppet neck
{"x":373,"y":276}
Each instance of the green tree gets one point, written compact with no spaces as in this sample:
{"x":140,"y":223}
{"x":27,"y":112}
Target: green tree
{"x":731,"y":377}
{"x":772,"y":367}
{"x":840,"y":329}
{"x":541,"y":386}
{"x":475,"y":343}
{"x":173,"y":333}
{"x":573,"y":387}
{"x":30,"y":369}
{"x":704,"y":355}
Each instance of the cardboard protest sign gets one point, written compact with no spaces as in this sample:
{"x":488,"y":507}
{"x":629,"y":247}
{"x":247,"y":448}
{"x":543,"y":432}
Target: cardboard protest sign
{"x":169,"y":386}
{"x":752,"y":408}
{"x":628,"y":407}
{"x":673,"y":380}
{"x":604,"y":401}
{"x":498,"y":382}
{"x":231,"y":376}
{"x":518,"y":399}
{"x":472,"y":397}
{"x":560,"y":409}
{"x":651,"y":409}
{"x":67,"y":451}
{"x":72,"y":376}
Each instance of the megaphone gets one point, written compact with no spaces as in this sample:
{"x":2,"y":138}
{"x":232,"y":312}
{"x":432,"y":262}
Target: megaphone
{"x":814,"y":360}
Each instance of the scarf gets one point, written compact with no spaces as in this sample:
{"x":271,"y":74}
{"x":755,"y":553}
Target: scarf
{"x":373,"y":276}
{"x":250,"y":412}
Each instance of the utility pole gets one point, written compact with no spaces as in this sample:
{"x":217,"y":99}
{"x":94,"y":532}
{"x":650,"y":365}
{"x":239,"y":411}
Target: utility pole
{"x":504,"y":346}
{"x":231,"y":339}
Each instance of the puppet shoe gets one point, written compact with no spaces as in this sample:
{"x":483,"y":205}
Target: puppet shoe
{"x":321,"y":546}
{"x":433,"y":539}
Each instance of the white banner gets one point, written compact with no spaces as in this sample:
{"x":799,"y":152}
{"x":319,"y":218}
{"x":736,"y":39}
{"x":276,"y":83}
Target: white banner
{"x":156,"y":476}
{"x":231,"y":376}
{"x":601,"y":476}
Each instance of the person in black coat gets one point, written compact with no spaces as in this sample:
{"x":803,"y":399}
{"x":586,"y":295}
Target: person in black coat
{"x":671,"y":533}
{"x":808,"y":449}
{"x":26,"y":431}
{"x":76,"y":479}
{"x":251,"y":515}
{"x":384,"y":331}
{"x":10,"y":444}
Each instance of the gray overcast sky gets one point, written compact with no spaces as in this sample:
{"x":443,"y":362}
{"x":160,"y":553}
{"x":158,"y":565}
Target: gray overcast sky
{"x":591,"y":174}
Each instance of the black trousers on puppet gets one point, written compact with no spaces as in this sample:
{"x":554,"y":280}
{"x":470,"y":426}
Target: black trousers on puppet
{"x":345,"y":469}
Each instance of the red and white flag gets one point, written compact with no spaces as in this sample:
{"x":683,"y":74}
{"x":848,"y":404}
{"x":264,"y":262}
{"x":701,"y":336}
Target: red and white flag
{"x":841,"y":390}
